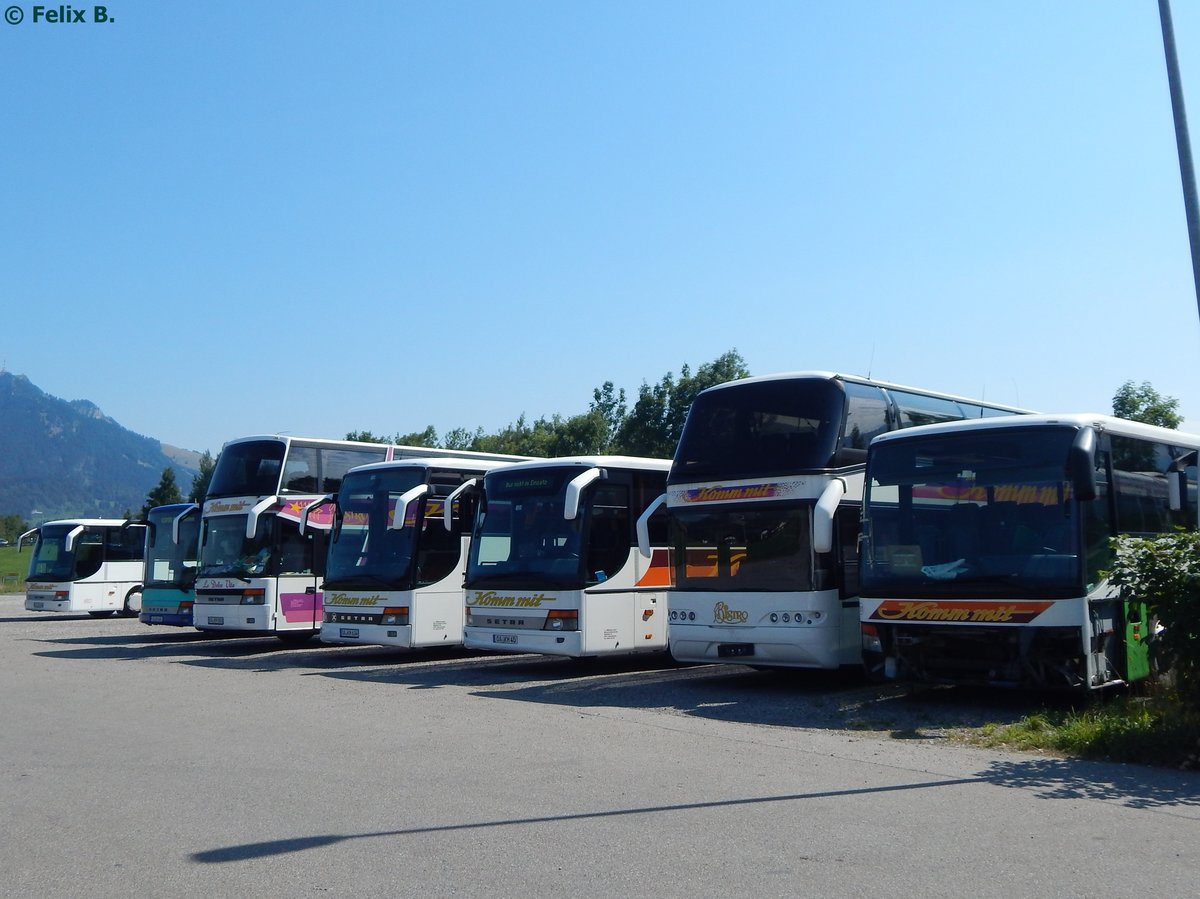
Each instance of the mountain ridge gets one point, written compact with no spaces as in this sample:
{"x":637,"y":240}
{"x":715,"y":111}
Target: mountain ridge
{"x":67,"y":458}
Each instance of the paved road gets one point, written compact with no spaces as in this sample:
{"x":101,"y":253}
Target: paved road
{"x":149,"y":761}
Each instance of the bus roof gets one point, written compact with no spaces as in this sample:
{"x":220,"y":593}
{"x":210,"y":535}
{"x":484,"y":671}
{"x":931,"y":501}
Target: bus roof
{"x":1101,"y":423}
{"x":452,"y":463}
{"x":399,"y":451}
{"x":634,"y":463}
{"x":858,"y":379}
{"x":88,"y":522}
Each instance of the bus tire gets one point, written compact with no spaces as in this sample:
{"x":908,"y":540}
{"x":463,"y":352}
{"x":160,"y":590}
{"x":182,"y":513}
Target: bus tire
{"x":127,"y":610}
{"x":107,"y":613}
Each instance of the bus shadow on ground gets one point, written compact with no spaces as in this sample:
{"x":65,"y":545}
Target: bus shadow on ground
{"x":324,"y":657}
{"x":487,"y":669}
{"x":789,"y":698}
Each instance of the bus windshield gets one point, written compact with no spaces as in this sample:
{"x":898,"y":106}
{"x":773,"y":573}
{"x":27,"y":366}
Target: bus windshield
{"x":990,"y":514}
{"x":171,"y":564}
{"x":370,"y":548}
{"x":226,"y":552}
{"x":52,"y":561}
{"x":521,"y":538}
{"x":768,"y":428}
{"x":727,"y":548}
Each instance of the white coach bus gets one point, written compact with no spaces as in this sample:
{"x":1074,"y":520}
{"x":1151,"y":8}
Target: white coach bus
{"x":763,"y":503}
{"x":91,"y":565}
{"x":553,"y":565}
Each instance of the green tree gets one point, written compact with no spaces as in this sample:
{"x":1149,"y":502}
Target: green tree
{"x":428,"y":437}
{"x":1145,"y":404}
{"x":200,"y":481}
{"x":166,"y":493}
{"x":655,"y":423}
{"x":367,"y":437}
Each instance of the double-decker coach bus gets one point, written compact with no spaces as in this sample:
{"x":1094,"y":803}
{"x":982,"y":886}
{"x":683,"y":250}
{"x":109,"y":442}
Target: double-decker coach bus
{"x":169,"y":579}
{"x":398,"y":551}
{"x":763,"y":504}
{"x":91,"y":565}
{"x":258,"y":574}
{"x":985,"y":546}
{"x":553,"y":565}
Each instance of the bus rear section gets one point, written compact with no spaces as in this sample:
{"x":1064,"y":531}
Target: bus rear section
{"x":394,"y":574}
{"x":985,"y":547}
{"x":258,"y":574}
{"x":169,"y":578}
{"x":85,"y":565}
{"x":554,"y":567}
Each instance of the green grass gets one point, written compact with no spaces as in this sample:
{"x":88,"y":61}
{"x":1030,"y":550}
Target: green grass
{"x":1148,"y":730}
{"x":11,"y":563}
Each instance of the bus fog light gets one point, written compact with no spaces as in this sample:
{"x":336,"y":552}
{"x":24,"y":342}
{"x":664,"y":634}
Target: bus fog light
{"x":786,"y":618}
{"x":775,"y":617}
{"x":555,"y":624}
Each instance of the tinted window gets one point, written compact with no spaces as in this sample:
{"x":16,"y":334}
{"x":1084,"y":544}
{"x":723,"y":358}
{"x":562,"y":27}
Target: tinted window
{"x":760,"y":428}
{"x":917,"y":410}
{"x":248,"y":469}
{"x":866,"y":418}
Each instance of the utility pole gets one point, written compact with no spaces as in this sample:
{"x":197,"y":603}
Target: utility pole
{"x":1182,"y":142}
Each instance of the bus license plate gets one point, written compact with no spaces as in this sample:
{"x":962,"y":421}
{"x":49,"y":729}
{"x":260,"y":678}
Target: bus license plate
{"x":733,"y":650}
{"x":348,"y":632}
{"x":156,"y":619}
{"x":39,"y":605}
{"x":504,"y":638}
{"x":216,"y":619}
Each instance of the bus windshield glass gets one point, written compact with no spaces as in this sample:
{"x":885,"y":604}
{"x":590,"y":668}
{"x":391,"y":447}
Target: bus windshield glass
{"x":226,"y":552}
{"x":766,"y":428}
{"x":370,"y":548}
{"x":250,"y":468}
{"x":521,"y":538}
{"x":53,"y":562}
{"x":764,"y":548}
{"x":987,"y":514}
{"x":171,"y":564}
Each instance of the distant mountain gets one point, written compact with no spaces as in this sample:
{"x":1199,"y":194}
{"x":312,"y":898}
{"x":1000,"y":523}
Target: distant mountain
{"x":68,"y":459}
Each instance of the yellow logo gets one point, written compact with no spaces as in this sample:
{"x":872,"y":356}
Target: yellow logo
{"x":722,"y":614}
{"x":492,"y":598}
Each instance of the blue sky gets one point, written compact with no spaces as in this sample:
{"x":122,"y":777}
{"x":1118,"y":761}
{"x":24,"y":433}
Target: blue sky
{"x":224,"y":218}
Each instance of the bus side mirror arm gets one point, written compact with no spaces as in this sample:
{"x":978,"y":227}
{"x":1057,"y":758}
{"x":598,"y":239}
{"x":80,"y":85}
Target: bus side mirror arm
{"x":643,"y":525}
{"x":21,"y":539}
{"x":401,"y":513}
{"x":823,"y":513}
{"x":327,"y":498}
{"x":253,"y":516}
{"x":575,"y":488}
{"x":190,"y":510}
{"x":447,"y":518}
{"x":1082,"y":465}
{"x":69,"y":543}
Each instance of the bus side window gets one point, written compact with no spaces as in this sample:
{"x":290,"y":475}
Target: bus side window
{"x":866,"y":417}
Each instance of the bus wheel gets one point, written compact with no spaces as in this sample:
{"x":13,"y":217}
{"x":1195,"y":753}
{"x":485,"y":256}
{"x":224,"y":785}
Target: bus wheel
{"x":133,"y":604}
{"x":107,"y":613}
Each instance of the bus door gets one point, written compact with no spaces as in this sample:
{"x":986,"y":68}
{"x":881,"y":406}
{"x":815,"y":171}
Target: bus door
{"x":300,"y":567}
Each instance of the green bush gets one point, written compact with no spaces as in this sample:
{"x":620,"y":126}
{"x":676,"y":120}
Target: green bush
{"x":1164,"y":573}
